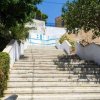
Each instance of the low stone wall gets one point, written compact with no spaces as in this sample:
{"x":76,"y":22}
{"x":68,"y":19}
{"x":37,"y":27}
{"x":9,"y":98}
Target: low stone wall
{"x":15,"y":50}
{"x":90,"y":52}
{"x":66,"y":46}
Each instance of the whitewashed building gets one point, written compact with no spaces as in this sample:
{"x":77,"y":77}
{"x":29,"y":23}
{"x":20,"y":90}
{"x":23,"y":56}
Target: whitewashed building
{"x":44,"y":35}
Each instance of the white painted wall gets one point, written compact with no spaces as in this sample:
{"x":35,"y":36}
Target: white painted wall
{"x":90,"y":52}
{"x":55,"y":31}
{"x":66,"y":46}
{"x":49,"y":31}
{"x":15,"y":50}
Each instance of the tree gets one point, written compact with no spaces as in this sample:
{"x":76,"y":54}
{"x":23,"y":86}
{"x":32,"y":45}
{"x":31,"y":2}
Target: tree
{"x":82,"y":14}
{"x":14,"y":14}
{"x":17,"y":11}
{"x":40,"y":16}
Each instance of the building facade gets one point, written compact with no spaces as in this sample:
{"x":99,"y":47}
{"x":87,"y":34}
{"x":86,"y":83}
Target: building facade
{"x":59,"y":22}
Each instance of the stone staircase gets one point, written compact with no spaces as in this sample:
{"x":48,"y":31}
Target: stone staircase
{"x":46,"y":73}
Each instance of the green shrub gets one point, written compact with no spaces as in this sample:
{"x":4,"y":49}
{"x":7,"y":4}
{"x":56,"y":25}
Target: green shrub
{"x":62,"y":39}
{"x":4,"y":70}
{"x":69,"y":39}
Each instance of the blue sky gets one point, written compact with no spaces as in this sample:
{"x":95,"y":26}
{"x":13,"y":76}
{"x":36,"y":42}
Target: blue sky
{"x":51,"y":9}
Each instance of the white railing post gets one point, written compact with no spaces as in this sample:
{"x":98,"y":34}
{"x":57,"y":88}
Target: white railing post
{"x":17,"y":55}
{"x":66,"y":46}
{"x":21,"y":48}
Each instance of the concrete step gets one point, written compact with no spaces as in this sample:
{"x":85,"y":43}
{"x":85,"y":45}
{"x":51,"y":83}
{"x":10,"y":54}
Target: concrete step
{"x":45,"y":75}
{"x":87,"y":96}
{"x":44,"y":53}
{"x":59,"y":63}
{"x":53,"y":66}
{"x":39,"y":72}
{"x":55,"y":79}
{"x":55,"y":58}
{"x":39,"y":65}
{"x":36,"y":62}
{"x":28,"y":62}
{"x":52,"y":61}
{"x":53,"y":90}
{"x":14,"y":71}
{"x":51,"y":84}
{"x":33,"y":60}
{"x":56,"y":68}
{"x":46,"y":50}
{"x":33,"y":68}
{"x":70,"y":77}
{"x":42,"y":49}
{"x":44,"y":59}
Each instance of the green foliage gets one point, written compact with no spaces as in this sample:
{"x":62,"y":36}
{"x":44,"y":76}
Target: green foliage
{"x":4,"y":70}
{"x":14,"y":14}
{"x":82,"y":14}
{"x":69,"y":39}
{"x":17,"y":11}
{"x":40,"y":15}
{"x":3,"y":42}
{"x":19,"y":32}
{"x":3,"y":30}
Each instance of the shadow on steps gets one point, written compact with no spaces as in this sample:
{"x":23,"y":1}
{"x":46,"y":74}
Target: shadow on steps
{"x":86,"y":71}
{"x":12,"y":97}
